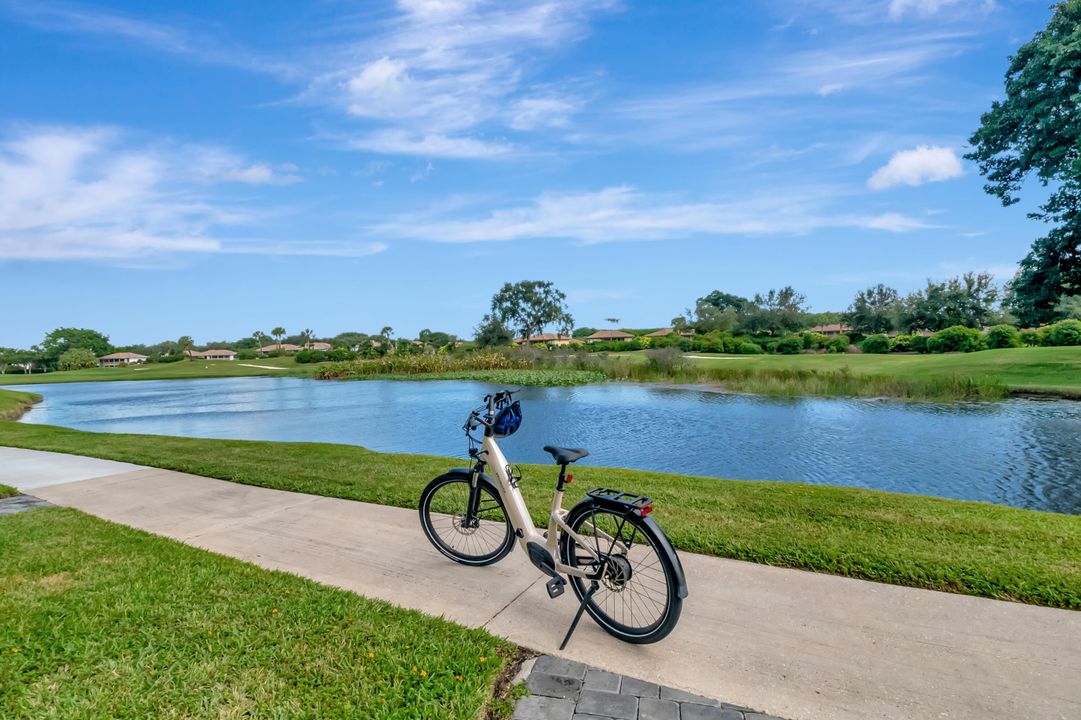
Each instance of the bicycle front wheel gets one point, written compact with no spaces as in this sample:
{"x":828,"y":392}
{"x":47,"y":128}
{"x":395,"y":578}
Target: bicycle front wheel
{"x":637,"y":599}
{"x":480,"y":538}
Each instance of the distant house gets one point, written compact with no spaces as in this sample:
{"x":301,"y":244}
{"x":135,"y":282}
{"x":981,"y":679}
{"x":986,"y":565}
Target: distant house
{"x":832,"y":329}
{"x":212,"y":354}
{"x":665,"y":332}
{"x":546,"y":339}
{"x":280,"y":347}
{"x":609,"y":336}
{"x":121,"y":358}
{"x":324,"y":346}
{"x":219,"y":354}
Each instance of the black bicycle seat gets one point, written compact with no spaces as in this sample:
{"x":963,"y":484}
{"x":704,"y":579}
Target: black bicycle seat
{"x":563,"y":456}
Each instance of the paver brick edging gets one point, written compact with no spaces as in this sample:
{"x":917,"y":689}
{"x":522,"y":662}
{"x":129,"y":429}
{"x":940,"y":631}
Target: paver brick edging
{"x":566,"y":690}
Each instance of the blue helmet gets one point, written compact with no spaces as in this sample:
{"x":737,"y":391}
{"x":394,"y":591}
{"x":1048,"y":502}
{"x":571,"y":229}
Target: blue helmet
{"x":508,"y":420}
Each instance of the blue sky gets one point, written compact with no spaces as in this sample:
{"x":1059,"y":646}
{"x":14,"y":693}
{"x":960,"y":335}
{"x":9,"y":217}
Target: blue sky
{"x":217,"y":168}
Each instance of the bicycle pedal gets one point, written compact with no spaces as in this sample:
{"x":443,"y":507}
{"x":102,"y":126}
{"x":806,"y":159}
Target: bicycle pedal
{"x":555,"y":587}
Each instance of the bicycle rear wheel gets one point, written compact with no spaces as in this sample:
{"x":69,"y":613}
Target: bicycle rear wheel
{"x":482,"y":539}
{"x":637,"y":599}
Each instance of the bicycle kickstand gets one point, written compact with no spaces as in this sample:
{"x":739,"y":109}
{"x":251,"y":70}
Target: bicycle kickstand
{"x":593,"y":586}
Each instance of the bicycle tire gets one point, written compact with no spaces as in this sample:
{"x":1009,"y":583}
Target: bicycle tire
{"x":484,"y":545}
{"x":608,"y":606}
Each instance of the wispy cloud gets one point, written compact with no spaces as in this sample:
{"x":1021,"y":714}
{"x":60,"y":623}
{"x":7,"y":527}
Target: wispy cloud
{"x":92,"y":193}
{"x":443,"y":78}
{"x":624,"y":213}
{"x":73,"y":18}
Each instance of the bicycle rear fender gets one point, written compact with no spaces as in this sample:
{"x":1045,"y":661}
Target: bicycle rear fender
{"x":622,"y":507}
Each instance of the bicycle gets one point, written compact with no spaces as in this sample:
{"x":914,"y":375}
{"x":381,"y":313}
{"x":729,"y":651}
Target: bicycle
{"x":618,"y":561}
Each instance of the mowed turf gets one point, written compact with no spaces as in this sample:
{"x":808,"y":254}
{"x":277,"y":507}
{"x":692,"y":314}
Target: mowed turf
{"x":102,"y":621}
{"x":1050,"y":369}
{"x":14,"y":403}
{"x":968,"y":547}
{"x":182,"y":370}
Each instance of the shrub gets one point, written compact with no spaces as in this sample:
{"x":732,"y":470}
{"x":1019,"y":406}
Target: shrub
{"x":790,"y":345}
{"x":77,"y":359}
{"x":1002,"y":336}
{"x":838,"y":344}
{"x":665,"y":360}
{"x":1066,"y":332}
{"x":918,"y":343}
{"x":310,"y":356}
{"x":749,"y":348}
{"x":1030,"y":338}
{"x":901,"y":343}
{"x":339,"y":354}
{"x":247,"y":355}
{"x":877,"y":344}
{"x":956,"y":338}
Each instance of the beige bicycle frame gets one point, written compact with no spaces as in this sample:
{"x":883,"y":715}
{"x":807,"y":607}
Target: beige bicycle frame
{"x":522,"y":523}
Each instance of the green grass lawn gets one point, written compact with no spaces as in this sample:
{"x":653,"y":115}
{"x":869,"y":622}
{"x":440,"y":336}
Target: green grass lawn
{"x":1047,"y":370}
{"x":6,"y":491}
{"x":14,"y":403}
{"x":102,"y":621}
{"x":975,"y":548}
{"x":183,"y":370}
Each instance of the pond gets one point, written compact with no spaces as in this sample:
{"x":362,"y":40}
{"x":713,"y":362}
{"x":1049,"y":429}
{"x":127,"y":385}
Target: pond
{"x":1017,"y":452}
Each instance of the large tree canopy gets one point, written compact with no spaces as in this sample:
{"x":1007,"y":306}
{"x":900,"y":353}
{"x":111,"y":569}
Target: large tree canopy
{"x":1036,"y":130}
{"x":531,"y":305}
{"x":61,"y":340}
{"x":874,"y":310}
{"x":968,"y":300}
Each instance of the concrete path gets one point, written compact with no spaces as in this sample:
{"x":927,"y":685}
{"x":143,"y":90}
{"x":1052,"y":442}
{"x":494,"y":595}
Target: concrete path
{"x":790,"y":643}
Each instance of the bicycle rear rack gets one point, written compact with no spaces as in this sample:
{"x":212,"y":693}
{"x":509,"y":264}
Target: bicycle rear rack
{"x":619,"y":500}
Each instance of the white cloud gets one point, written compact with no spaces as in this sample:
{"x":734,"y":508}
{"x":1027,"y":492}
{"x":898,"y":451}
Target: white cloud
{"x":401,"y":142}
{"x":90,"y":193}
{"x":623,"y":213}
{"x":443,"y":74}
{"x":70,"y":18}
{"x":923,"y":164}
{"x":923,"y":8}
{"x":260,"y":174}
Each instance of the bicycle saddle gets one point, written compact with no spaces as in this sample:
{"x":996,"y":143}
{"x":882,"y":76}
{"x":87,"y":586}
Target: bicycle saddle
{"x":563,"y":456}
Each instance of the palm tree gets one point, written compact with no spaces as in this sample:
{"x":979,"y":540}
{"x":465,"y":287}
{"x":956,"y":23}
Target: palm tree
{"x":260,"y":338}
{"x":278,"y":333}
{"x":307,"y":335}
{"x":185,"y":343}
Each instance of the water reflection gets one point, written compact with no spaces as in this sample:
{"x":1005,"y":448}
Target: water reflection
{"x":1019,"y":452}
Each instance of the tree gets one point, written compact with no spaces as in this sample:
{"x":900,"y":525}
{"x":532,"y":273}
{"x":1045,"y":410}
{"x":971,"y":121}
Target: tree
{"x":1069,"y":308}
{"x":777,"y":312}
{"x":306,"y":337}
{"x":10,"y":357}
{"x":1036,"y":130}
{"x":184,"y":343}
{"x":492,"y":333}
{"x":351,"y":340}
{"x":434,"y":339}
{"x":968,"y":300}
{"x":530,"y":305}
{"x":874,"y":310}
{"x":723,"y":301}
{"x":260,"y":338}
{"x":61,"y":340}
{"x":278,"y":333}
{"x":77,"y":359}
